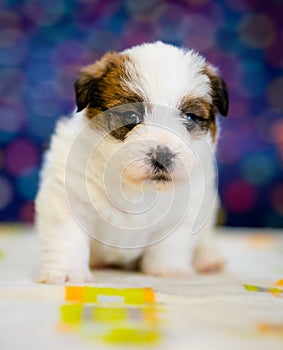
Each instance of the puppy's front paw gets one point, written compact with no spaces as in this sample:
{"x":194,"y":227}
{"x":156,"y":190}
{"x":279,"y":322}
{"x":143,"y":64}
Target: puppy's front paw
{"x":208,"y":259}
{"x":61,"y":276}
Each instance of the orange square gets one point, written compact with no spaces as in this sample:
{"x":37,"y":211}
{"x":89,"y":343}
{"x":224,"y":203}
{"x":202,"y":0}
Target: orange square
{"x":74,"y":293}
{"x":149,"y":296}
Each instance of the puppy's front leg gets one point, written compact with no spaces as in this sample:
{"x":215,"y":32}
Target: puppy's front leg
{"x":171,"y":257}
{"x":207,"y":256}
{"x":64,"y":254}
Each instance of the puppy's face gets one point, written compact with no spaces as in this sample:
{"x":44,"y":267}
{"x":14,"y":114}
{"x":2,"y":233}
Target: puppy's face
{"x":156,"y":107}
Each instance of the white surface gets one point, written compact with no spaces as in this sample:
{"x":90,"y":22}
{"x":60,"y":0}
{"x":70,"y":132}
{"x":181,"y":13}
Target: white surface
{"x":201,"y":312}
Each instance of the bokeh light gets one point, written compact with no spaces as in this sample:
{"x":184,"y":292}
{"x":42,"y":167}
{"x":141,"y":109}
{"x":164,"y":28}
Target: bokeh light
{"x":239,"y":196}
{"x":21,"y":156}
{"x":6,"y":191}
{"x":257,"y":31}
{"x":277,"y":198}
{"x":275,"y":93}
{"x":258,"y":169}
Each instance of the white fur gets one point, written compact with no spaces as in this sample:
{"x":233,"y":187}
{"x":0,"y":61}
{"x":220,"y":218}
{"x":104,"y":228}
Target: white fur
{"x":166,"y":74}
{"x":98,"y":188}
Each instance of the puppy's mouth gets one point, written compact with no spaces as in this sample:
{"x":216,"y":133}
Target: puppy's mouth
{"x":157,"y":177}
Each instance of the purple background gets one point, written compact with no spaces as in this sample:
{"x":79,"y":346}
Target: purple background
{"x":43,"y":43}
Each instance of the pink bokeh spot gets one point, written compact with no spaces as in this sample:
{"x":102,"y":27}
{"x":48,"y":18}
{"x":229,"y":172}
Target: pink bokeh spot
{"x":277,"y":198}
{"x":239,"y":106}
{"x":276,"y":132}
{"x":239,"y":196}
{"x":27,"y":212}
{"x":21,"y":156}
{"x":6,"y":191}
{"x":274,"y":54}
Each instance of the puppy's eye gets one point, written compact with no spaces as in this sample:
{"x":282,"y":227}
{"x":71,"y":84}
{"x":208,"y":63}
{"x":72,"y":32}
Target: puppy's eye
{"x":131,"y":118}
{"x":189,"y":120}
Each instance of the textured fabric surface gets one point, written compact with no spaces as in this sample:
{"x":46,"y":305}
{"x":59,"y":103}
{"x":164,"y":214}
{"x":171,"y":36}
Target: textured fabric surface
{"x":241,"y":308}
{"x":43,"y":46}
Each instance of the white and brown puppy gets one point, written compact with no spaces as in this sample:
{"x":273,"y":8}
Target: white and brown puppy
{"x":130,"y":178}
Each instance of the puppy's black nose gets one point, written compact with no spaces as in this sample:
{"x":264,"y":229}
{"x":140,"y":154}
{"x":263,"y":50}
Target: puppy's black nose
{"x":161,"y":158}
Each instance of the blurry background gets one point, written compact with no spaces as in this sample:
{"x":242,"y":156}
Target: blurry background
{"x":43,"y":43}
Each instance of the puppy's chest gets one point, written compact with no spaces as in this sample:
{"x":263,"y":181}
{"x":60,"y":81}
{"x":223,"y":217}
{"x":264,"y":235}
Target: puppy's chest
{"x":134,"y":230}
{"x":147,"y":213}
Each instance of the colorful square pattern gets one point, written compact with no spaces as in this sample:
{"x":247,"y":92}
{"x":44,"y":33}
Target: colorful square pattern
{"x":129,"y":315}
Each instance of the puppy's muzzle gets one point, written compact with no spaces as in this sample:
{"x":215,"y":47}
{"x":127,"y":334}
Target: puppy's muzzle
{"x":161,"y":159}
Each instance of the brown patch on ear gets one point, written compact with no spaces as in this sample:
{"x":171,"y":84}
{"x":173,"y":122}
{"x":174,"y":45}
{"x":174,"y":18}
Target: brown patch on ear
{"x":100,"y":86}
{"x":88,"y":77}
{"x":219,"y":90}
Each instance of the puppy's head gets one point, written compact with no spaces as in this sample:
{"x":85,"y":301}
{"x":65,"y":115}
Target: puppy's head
{"x":158,"y":105}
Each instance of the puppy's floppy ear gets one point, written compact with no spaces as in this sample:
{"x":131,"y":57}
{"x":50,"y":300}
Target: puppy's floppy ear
{"x":88,"y":79}
{"x":219,"y":90}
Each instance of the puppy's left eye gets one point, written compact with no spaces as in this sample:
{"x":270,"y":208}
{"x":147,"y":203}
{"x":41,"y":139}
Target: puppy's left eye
{"x":131,"y":118}
{"x":189,"y":120}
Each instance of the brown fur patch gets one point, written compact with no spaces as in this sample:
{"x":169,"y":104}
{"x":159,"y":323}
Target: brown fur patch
{"x":219,"y":90}
{"x":101,"y":87}
{"x":204,"y":111}
{"x":196,"y":105}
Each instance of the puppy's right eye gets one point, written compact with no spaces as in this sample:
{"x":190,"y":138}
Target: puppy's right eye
{"x":131,"y":118}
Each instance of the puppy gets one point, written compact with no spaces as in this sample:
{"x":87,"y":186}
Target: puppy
{"x":130,"y":179}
